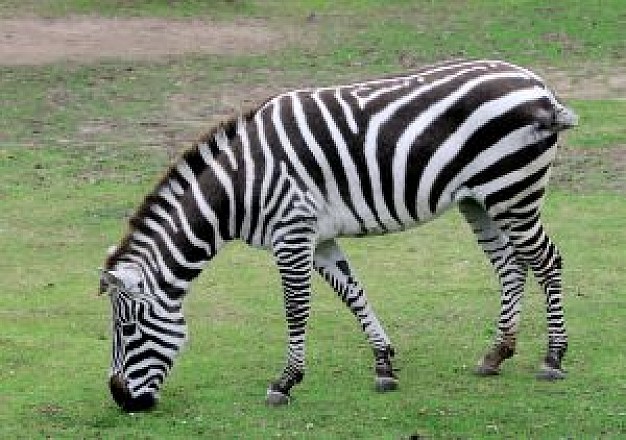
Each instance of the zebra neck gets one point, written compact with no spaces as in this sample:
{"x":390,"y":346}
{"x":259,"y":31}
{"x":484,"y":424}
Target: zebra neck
{"x":199,"y":207}
{"x":186,"y":220}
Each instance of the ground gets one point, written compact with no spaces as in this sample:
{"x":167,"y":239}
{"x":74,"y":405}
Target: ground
{"x":38,"y":41}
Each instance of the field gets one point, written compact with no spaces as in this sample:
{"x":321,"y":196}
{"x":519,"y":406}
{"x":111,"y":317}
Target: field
{"x":88,"y":122}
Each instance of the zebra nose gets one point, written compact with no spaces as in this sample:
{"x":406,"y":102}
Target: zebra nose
{"x":123,"y":398}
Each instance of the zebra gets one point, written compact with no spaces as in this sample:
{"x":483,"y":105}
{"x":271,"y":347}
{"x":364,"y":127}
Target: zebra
{"x":308,"y":166}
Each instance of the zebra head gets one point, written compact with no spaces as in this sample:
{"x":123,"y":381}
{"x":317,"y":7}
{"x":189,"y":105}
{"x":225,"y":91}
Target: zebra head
{"x":147,"y":336}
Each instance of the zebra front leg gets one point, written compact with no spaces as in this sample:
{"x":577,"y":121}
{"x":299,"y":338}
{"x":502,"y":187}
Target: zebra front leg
{"x":333,"y":266}
{"x":512,"y":276}
{"x":294,"y":259}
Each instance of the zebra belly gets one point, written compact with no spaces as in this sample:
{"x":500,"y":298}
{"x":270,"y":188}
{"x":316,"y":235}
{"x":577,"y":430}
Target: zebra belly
{"x":333,"y":222}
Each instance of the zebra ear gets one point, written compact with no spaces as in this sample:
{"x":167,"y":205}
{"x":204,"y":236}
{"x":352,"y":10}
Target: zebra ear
{"x":111,"y":250}
{"x":108,"y":278}
{"x":126,"y":277}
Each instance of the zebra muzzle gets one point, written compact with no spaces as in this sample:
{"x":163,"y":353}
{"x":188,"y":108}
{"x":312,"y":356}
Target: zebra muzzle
{"x":122,"y":396}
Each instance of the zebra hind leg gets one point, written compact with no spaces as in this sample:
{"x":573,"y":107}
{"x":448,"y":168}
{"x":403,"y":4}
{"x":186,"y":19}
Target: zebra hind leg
{"x":333,"y":266}
{"x":512,"y":275}
{"x":537,"y":250}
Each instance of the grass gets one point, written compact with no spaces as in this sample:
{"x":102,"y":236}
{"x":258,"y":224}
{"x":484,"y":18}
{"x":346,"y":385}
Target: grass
{"x":80,"y":145}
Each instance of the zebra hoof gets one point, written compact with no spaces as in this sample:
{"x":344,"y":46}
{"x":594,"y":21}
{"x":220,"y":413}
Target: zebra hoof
{"x":276,"y":398}
{"x":483,"y":370}
{"x":386,"y":383}
{"x":550,"y":374}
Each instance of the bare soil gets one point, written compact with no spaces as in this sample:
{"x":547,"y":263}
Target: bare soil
{"x":589,"y":170}
{"x":36,"y":41}
{"x":589,"y":82}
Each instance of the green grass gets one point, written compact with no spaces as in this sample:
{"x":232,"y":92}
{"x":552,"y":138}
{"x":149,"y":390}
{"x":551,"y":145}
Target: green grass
{"x":79,"y":147}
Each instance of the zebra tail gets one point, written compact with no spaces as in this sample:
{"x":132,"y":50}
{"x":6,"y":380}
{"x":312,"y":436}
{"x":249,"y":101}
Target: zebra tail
{"x":561,"y":118}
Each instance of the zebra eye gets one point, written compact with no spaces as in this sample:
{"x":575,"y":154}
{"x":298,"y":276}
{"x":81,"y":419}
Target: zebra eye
{"x":129,"y":328}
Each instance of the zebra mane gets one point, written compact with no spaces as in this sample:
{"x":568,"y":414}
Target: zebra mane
{"x":227,"y":127}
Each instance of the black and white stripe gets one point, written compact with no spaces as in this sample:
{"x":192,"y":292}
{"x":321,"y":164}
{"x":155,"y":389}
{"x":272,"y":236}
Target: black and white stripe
{"x":371,"y":157}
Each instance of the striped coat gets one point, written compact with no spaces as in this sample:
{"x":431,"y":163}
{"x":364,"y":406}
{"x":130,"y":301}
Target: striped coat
{"x":371,"y":157}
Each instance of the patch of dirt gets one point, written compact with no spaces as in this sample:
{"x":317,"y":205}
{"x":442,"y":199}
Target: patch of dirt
{"x":189,"y":115}
{"x":584,"y":171}
{"x":588,"y":82}
{"x":50,"y":410}
{"x":37,"y":41}
{"x":34,"y":41}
